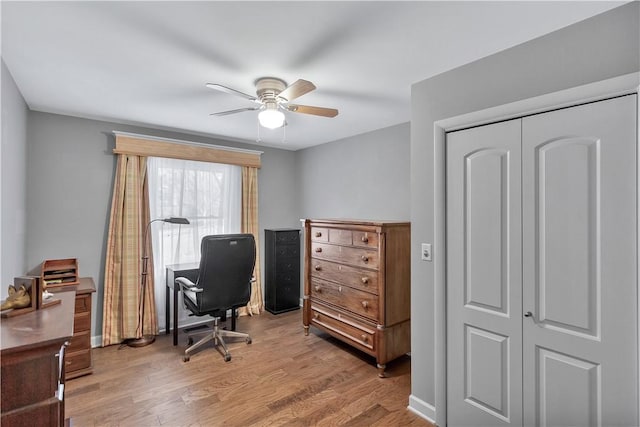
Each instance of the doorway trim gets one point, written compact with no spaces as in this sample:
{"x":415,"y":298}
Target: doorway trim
{"x":617,"y":86}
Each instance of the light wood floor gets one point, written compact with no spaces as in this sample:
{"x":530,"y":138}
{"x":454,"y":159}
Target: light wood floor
{"x":282,"y":379}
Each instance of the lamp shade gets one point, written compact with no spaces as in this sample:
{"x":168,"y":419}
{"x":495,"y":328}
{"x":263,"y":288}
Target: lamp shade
{"x":271,"y":119}
{"x":176,"y":220}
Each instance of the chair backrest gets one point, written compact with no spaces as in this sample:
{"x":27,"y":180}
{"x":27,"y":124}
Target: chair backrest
{"x":226,"y":269}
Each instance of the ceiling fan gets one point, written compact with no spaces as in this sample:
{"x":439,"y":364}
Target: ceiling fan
{"x":273,"y":97}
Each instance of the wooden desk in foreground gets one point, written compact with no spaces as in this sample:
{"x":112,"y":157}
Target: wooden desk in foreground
{"x":32,"y":352}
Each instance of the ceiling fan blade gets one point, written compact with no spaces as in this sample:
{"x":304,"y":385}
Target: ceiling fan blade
{"x":316,"y":111}
{"x":231,"y":91}
{"x":296,"y":89}
{"x":239,"y":110}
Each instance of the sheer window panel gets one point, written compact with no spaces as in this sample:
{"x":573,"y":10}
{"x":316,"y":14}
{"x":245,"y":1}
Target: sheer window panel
{"x":209,"y":195}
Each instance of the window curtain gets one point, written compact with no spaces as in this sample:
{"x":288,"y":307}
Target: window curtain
{"x":123,"y":272}
{"x":130,"y":215}
{"x":250,"y":225}
{"x":209,"y":195}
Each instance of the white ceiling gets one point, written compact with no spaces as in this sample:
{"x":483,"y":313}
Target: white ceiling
{"x":147,"y":62}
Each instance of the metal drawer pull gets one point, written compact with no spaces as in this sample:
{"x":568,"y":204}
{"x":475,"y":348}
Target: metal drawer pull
{"x":317,"y":288}
{"x":365,"y":338}
{"x":317,"y":268}
{"x":318,"y":249}
{"x":318,"y":234}
{"x":365,"y":239}
{"x":365,"y":258}
{"x":365,"y":304}
{"x":365,"y":280}
{"x":316,"y":316}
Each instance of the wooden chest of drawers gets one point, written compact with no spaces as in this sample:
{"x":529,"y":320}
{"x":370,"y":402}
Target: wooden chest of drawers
{"x":78,"y":354}
{"x":357,"y":284}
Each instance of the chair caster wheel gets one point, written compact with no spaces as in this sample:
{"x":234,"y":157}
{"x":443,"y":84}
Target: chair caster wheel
{"x":227,"y":357}
{"x":248,"y":340}
{"x":190,"y":341}
{"x":185,"y":358}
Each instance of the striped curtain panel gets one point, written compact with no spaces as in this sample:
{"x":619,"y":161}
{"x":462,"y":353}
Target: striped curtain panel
{"x":250,"y":225}
{"x":123,"y":272}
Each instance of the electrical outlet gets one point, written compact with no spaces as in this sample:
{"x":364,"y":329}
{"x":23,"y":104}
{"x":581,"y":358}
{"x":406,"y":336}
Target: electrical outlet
{"x":426,"y":251}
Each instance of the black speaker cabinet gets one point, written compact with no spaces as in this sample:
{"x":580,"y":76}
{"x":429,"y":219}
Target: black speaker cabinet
{"x":282,"y":270}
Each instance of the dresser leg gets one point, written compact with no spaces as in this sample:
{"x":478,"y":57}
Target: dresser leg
{"x":306,"y":331}
{"x":381,"y":369}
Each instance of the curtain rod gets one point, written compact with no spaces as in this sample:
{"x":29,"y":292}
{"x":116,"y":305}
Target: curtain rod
{"x":183,"y":142}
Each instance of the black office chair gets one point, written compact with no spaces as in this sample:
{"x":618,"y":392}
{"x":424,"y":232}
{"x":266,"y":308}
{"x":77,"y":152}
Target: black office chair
{"x":224,"y":282}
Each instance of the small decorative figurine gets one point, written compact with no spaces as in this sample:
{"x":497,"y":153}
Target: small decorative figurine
{"x":19,"y":298}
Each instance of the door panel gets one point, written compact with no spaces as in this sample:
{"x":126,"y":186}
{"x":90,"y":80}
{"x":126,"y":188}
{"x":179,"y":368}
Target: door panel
{"x":486,"y":359}
{"x":567,"y":177}
{"x":484,"y":273}
{"x":485,"y":280}
{"x":567,"y":382}
{"x":579,"y":271}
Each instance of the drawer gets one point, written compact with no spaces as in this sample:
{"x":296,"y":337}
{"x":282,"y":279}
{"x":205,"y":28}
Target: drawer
{"x":366,"y":239}
{"x":360,"y":257}
{"x":287,"y":265}
{"x":351,"y":276}
{"x":80,"y":341}
{"x":344,"y":326}
{"x":287,"y":278}
{"x":320,"y":234}
{"x":353,"y":300}
{"x":340,"y":237}
{"x":83,"y":303}
{"x":77,"y":360}
{"x":82,"y":322}
{"x":287,"y":251}
{"x":287,"y":237}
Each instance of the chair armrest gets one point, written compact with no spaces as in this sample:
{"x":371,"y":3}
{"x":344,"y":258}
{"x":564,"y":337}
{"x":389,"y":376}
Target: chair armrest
{"x":187,"y":285}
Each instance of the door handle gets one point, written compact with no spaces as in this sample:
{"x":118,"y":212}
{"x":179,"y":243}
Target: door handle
{"x":530,"y":316}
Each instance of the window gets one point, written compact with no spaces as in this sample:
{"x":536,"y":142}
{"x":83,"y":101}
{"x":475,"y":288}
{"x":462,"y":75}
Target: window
{"x":208,"y":194}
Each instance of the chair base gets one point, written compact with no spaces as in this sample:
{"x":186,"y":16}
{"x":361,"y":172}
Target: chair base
{"x":216,"y":334}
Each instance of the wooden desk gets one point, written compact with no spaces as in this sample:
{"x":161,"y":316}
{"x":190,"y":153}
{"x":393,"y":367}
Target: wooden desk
{"x":32,"y":367}
{"x":188,"y":270}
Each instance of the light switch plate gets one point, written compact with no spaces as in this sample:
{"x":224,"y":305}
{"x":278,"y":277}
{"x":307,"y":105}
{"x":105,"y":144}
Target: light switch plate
{"x":426,"y":251}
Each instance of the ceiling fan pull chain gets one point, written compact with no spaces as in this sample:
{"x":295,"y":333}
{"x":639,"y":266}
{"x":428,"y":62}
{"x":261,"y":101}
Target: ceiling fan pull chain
{"x":258,"y":125}
{"x":284,"y":132}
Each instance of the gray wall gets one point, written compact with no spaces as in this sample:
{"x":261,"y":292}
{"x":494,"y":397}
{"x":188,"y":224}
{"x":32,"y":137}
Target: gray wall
{"x":69,"y":187}
{"x":13,"y":158}
{"x":602,"y":47}
{"x":365,"y":176}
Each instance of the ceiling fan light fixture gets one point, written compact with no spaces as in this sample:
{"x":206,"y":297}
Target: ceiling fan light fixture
{"x":271,"y":119}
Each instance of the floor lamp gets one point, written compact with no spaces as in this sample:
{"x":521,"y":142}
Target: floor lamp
{"x":148,"y":339}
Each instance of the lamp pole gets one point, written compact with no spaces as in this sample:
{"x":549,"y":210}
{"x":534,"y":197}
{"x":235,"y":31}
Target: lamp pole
{"x":145,"y":340}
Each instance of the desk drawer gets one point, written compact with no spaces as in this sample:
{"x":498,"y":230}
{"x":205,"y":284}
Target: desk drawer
{"x":77,"y":360}
{"x":80,"y":341}
{"x":82,"y":322}
{"x":83,"y":303}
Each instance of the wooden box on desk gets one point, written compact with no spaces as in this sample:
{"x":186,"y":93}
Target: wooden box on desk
{"x":59,"y":272}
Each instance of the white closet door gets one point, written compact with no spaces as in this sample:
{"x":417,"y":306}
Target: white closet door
{"x":579,"y":249}
{"x":484,"y":276}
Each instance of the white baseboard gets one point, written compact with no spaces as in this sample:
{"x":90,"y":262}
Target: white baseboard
{"x":422,"y":409}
